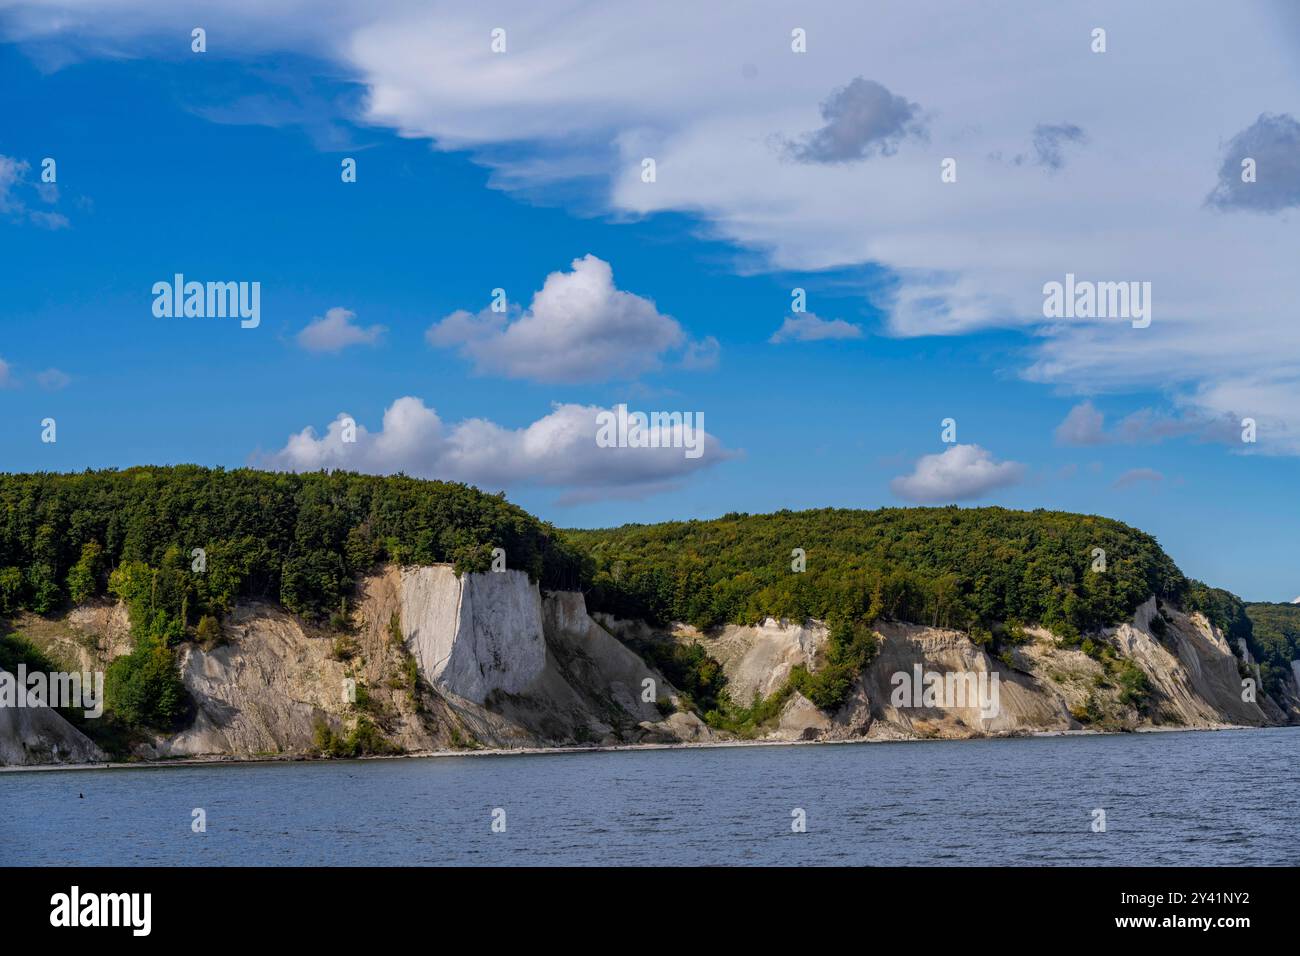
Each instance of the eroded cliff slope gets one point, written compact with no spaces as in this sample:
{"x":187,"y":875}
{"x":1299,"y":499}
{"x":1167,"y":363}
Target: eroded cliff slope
{"x":434,"y":661}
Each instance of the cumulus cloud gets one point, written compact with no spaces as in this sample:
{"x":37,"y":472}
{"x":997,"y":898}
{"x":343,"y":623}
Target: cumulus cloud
{"x":579,"y":328}
{"x":1136,"y":476}
{"x":807,"y":327}
{"x":6,"y":374}
{"x":862,"y":119}
{"x":335,"y":331}
{"x":558,"y":450}
{"x":960,"y":473}
{"x":1273,"y":142}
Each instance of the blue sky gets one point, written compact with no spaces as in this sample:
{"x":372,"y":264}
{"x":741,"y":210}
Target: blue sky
{"x":226,"y":166}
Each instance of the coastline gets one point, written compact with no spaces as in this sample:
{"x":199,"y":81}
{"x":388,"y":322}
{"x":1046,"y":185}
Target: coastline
{"x":215,"y":760}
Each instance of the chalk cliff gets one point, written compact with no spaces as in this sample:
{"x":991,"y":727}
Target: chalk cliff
{"x":31,"y":736}
{"x":1044,"y":685}
{"x":436,"y":661}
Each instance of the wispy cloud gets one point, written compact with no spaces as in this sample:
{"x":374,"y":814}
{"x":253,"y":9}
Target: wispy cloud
{"x":52,"y":379}
{"x":807,"y":327}
{"x":14,"y":189}
{"x":1084,"y":425}
{"x":1049,"y":143}
{"x":1138,"y":476}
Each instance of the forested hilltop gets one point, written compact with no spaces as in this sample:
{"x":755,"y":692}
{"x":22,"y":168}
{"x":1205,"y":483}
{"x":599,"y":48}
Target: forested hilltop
{"x":140,"y":535}
{"x":985,"y":570}
{"x":299,"y":539}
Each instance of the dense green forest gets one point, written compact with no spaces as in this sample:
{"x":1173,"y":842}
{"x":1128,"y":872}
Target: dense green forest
{"x":1276,"y":638}
{"x":296,"y":539}
{"x":954,"y":567}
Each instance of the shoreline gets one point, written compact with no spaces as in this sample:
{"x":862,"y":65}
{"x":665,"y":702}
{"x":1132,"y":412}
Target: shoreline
{"x":225,"y":760}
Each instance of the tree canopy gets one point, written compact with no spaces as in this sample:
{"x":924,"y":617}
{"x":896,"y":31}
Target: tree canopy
{"x":954,"y":567}
{"x":299,"y":539}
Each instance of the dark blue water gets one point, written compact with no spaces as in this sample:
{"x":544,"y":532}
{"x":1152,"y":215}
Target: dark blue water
{"x":1221,"y":799}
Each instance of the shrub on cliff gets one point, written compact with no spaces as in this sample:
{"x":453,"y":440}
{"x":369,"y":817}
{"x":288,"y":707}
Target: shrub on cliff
{"x":144,"y":689}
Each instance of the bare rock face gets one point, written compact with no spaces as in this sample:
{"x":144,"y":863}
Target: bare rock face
{"x":1191,"y":667}
{"x":260,"y":693}
{"x":801,"y":719}
{"x":1022,"y":703}
{"x":758,"y":660}
{"x":595,"y":659}
{"x":498,"y":666}
{"x":108,"y":625}
{"x":1043,"y":685}
{"x":474,"y":634}
{"x":39,"y":735}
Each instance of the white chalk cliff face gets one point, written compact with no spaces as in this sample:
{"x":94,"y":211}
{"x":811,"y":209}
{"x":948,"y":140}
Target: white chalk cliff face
{"x":476,"y":633}
{"x":38,"y":735}
{"x":540,"y":663}
{"x":487,"y":660}
{"x":499,"y":665}
{"x":1194,"y":678}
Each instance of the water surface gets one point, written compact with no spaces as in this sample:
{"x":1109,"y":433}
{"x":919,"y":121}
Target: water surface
{"x":1227,"y":798}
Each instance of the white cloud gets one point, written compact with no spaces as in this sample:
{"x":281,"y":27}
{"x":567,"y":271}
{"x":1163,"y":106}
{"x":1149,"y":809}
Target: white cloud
{"x":960,"y":473}
{"x":713,"y":105}
{"x":1085,"y":425}
{"x":1136,"y":476}
{"x":809,"y":328}
{"x":6,"y":374}
{"x":558,"y":450}
{"x":335,"y":331}
{"x":52,"y":379}
{"x":13,"y":181}
{"x":12,"y":172}
{"x":701,"y":354}
{"x":579,"y":328}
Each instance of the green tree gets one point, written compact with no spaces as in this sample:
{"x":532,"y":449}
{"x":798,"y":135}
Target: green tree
{"x":86,"y":577}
